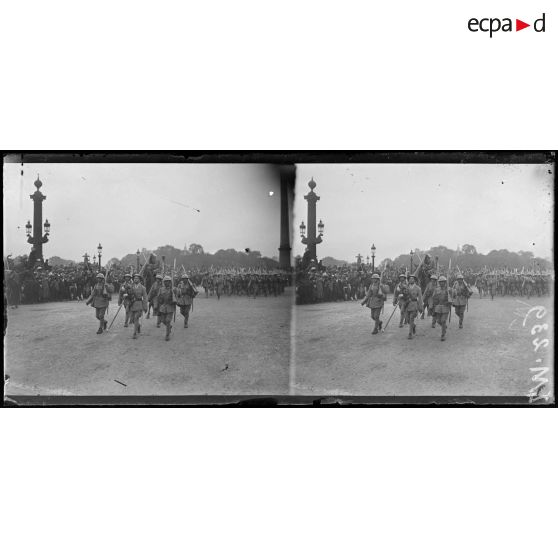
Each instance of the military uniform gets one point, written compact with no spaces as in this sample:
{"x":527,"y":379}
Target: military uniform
{"x":427,"y":297}
{"x":185,"y":295}
{"x":442,"y":305}
{"x":167,"y":304}
{"x":374,"y":299}
{"x":413,"y":306}
{"x":491,"y":284}
{"x":124,"y":297}
{"x":99,"y":299}
{"x":399,"y":296}
{"x":460,"y":293}
{"x":138,"y":304}
{"x":529,"y":283}
{"x":153,"y":298}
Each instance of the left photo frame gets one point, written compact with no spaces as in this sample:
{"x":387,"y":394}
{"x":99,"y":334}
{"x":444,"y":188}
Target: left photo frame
{"x":146,"y":279}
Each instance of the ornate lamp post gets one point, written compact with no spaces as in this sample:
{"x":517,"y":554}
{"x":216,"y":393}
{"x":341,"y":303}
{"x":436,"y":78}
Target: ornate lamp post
{"x":100,"y":252}
{"x":312,"y":240}
{"x":85,"y":258}
{"x":37,"y":240}
{"x":367,"y":260}
{"x":94,"y":259}
{"x":411,"y":254}
{"x":373,"y":251}
{"x":358,"y":258}
{"x":137,"y":260}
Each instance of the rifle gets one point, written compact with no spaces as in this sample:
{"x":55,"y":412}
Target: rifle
{"x":468,"y":288}
{"x":119,"y":307}
{"x":389,"y":319}
{"x":105,"y":288}
{"x":380,"y":288}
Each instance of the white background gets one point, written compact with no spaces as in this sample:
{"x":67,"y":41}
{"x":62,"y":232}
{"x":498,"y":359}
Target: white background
{"x":289,"y":75}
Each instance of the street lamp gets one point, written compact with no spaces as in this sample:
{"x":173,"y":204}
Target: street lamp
{"x":85,"y":258}
{"x":411,"y":261}
{"x":47,"y":227}
{"x":320,"y":227}
{"x":367,"y":260}
{"x":302,"y":229}
{"x":137,"y":259}
{"x":28,"y":228}
{"x":100,"y":252}
{"x":94,"y":259}
{"x":373,"y":251}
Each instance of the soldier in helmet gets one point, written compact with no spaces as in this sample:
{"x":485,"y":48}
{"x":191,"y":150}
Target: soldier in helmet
{"x":400,"y":295}
{"x":442,"y":304}
{"x":138,"y":303}
{"x":99,"y":298}
{"x":122,"y":299}
{"x":528,"y":284}
{"x":427,"y":298}
{"x":460,"y":294}
{"x":167,"y":304}
{"x":185,"y":294}
{"x":414,"y":304}
{"x":374,"y":300}
{"x":491,"y":284}
{"x":153,"y":299}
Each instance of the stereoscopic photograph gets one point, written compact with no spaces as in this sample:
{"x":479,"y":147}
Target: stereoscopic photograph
{"x":137,"y":279}
{"x":289,"y":280}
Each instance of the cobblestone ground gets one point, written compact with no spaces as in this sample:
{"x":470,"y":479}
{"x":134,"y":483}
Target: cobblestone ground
{"x":335,"y":353}
{"x":233,"y":346}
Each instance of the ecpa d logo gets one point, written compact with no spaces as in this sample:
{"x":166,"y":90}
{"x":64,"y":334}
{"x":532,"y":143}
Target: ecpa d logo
{"x":492,"y":25}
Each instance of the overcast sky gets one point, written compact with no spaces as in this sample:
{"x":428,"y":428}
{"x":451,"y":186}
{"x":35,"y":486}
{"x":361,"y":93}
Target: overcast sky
{"x":399,"y":207}
{"x":131,"y":206}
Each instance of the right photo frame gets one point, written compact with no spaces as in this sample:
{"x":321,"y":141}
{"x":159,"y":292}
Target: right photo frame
{"x":425,"y":278}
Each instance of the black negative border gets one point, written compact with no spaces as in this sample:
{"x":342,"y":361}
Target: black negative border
{"x":278,"y":157}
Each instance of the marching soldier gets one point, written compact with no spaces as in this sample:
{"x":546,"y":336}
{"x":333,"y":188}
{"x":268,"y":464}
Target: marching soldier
{"x":185,"y":294}
{"x":124,"y":296}
{"x":374,"y":300}
{"x":528,"y":284}
{"x":428,"y":300}
{"x":399,"y":296}
{"x":138,"y":303}
{"x":460,"y":294}
{"x":442,"y":304}
{"x":167,"y":304}
{"x":99,"y":298}
{"x":153,"y":298}
{"x":414,"y":304}
{"x":491,"y":284}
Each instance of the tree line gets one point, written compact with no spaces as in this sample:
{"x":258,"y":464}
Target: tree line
{"x":192,"y":256}
{"x":467,"y":256}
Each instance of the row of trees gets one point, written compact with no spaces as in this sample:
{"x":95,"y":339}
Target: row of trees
{"x":199,"y":258}
{"x":191,"y":257}
{"x":468,"y":256}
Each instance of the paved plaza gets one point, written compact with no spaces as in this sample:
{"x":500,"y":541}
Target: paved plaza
{"x":233,"y":346}
{"x":335,"y":353}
